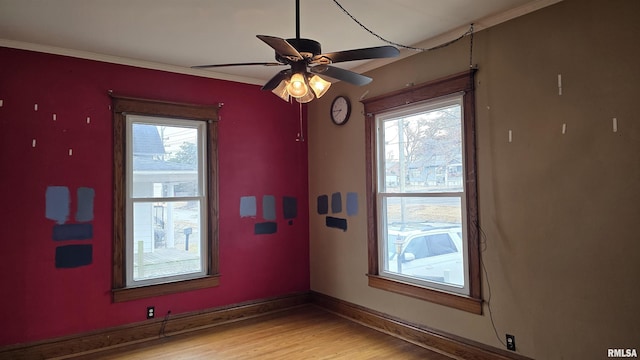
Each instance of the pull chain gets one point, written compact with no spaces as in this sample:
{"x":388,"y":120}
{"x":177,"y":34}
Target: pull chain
{"x":300,"y":137}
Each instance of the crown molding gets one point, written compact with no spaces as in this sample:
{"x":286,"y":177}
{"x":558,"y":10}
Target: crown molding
{"x":126,"y":61}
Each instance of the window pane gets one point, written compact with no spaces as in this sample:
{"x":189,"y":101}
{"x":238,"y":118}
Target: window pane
{"x":423,"y":151}
{"x":425,"y":234}
{"x":166,"y":239}
{"x":165,"y":160}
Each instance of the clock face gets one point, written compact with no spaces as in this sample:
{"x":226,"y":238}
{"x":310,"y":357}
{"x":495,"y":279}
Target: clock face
{"x":340,"y":110}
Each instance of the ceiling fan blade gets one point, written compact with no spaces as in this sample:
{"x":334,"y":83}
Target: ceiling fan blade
{"x":341,"y":74}
{"x":275,"y":81}
{"x":282,"y":47}
{"x":237,"y":64}
{"x":358,"y":54}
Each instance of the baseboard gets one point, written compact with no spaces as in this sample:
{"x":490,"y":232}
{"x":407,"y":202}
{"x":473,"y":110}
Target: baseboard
{"x":150,"y":330}
{"x":82,"y":345}
{"x":432,"y":339}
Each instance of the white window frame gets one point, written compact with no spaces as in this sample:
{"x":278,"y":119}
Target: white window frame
{"x":201,"y":197}
{"x":382,"y":196}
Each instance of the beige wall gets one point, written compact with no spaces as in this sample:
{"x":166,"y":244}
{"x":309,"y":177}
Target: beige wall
{"x":560,"y":212}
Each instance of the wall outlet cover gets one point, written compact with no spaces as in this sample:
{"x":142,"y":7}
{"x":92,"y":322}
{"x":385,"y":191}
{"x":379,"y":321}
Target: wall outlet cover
{"x":151,"y":312}
{"x":511,"y":342}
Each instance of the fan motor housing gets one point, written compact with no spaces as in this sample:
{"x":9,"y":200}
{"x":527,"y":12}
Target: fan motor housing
{"x":306,"y":47}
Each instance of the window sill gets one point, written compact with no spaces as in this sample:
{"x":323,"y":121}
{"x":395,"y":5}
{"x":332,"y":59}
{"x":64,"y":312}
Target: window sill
{"x":134,"y":293}
{"x":459,"y":302}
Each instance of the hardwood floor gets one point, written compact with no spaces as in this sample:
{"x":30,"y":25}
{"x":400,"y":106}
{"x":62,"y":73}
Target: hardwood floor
{"x":306,"y":332}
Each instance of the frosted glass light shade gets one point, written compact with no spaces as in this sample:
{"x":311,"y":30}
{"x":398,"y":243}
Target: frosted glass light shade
{"x":319,"y":85}
{"x":306,"y":98}
{"x":281,"y":90}
{"x":297,"y":86}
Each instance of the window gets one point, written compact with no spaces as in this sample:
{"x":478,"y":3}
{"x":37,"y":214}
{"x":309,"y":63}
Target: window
{"x":422,"y":202}
{"x":165,"y":198}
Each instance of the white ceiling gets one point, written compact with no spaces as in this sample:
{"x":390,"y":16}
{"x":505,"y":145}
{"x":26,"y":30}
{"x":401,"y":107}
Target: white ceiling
{"x":176,"y":34}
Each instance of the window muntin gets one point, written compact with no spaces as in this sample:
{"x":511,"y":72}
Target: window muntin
{"x":421,"y":196}
{"x":166,"y":200}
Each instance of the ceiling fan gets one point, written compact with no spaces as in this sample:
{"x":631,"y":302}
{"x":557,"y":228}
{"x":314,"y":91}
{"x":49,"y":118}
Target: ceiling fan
{"x":306,"y":60}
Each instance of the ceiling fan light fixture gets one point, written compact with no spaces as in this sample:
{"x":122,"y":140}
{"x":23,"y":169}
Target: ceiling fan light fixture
{"x":305,"y":56}
{"x":319,"y":85}
{"x":305,"y":99}
{"x":281,"y":90}
{"x":297,"y":86}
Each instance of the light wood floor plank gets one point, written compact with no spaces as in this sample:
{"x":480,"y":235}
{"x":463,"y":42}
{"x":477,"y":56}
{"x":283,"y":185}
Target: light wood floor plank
{"x":304,"y":333}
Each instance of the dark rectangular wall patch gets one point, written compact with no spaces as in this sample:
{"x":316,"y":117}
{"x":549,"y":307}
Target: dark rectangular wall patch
{"x":289,"y":207}
{"x":72,"y":232}
{"x":72,"y":256}
{"x":337,"y":223}
{"x":265,"y":228}
{"x":323,"y":204}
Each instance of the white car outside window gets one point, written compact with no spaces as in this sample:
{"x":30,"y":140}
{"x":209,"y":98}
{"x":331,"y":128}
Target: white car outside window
{"x":431,"y":254}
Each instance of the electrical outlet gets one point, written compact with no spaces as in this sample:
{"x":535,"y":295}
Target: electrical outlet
{"x":511,"y":342}
{"x":151,"y":312}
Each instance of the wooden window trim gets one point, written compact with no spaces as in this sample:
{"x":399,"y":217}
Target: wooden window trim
{"x":461,"y":82}
{"x":121,"y":106}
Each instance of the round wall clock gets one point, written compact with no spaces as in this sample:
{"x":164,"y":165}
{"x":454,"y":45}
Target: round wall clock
{"x":340,"y":110}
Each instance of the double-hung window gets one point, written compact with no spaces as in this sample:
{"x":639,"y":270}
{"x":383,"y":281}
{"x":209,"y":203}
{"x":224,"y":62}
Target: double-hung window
{"x":422,"y":193}
{"x":165,"y":198}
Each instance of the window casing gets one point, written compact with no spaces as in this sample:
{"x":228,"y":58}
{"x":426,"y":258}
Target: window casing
{"x":421,"y":193}
{"x":165,"y":197}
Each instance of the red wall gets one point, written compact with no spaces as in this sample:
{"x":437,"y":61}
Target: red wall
{"x":258,"y":155}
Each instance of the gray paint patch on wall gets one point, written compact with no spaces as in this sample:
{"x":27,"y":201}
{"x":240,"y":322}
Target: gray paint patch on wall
{"x":72,"y":232}
{"x":85,"y":204}
{"x":336,"y":203}
{"x":265,"y":228}
{"x":269,"y":207}
{"x":57,"y":203}
{"x":352,"y":203}
{"x":248,"y":206}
